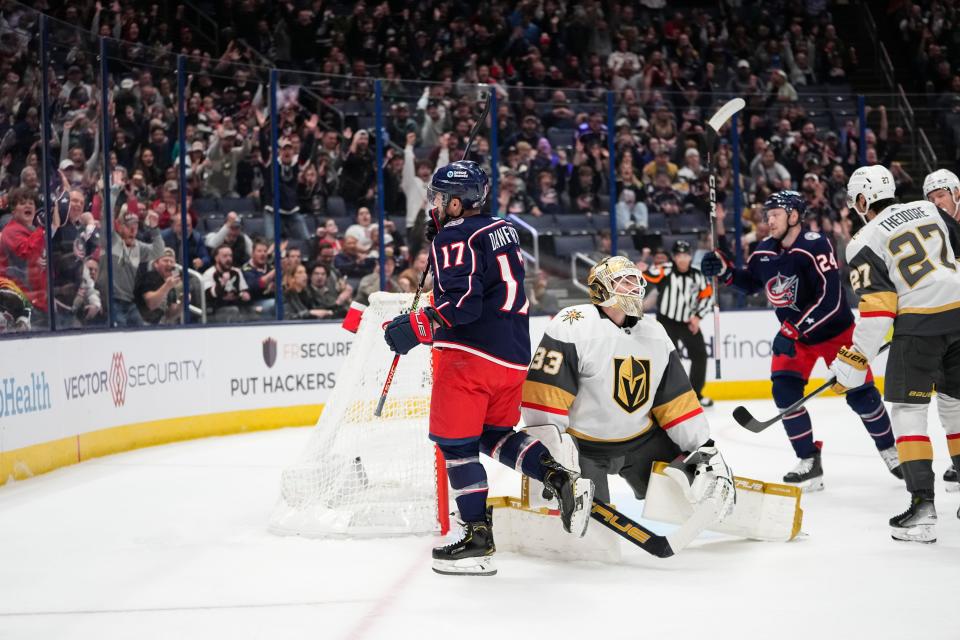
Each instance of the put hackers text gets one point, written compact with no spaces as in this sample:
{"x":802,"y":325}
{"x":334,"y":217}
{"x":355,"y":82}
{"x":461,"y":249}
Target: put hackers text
{"x":282,"y":383}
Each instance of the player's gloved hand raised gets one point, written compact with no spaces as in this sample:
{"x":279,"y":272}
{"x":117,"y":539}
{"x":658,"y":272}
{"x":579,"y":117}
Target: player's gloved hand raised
{"x":408,"y":330}
{"x":713,"y":264}
{"x":433,"y":224}
{"x":785,"y":343}
{"x":850,"y":368}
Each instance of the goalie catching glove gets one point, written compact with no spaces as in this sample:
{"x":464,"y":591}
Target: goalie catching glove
{"x":850,"y":368}
{"x":408,"y":330}
{"x":705,"y":477}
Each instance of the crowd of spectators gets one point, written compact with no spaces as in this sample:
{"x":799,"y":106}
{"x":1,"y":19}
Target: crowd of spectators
{"x":551,"y":63}
{"x":929,"y":33}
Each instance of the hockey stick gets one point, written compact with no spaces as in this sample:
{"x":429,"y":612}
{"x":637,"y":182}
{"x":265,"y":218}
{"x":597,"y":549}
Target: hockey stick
{"x":654,"y":544}
{"x":746,"y":420}
{"x":715,"y":123}
{"x":423,"y":276}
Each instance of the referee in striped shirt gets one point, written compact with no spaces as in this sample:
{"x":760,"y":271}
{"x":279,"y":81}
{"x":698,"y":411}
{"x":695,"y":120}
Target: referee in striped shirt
{"x":683,"y":299}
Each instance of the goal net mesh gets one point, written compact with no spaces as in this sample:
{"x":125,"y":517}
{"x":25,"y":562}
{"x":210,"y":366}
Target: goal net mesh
{"x":362,"y":475}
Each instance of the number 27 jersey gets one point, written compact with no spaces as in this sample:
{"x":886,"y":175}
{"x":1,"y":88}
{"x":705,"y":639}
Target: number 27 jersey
{"x":903,"y":265}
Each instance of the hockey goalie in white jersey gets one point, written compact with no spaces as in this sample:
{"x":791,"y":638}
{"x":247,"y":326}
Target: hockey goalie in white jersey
{"x":612,"y":380}
{"x":903,"y":265}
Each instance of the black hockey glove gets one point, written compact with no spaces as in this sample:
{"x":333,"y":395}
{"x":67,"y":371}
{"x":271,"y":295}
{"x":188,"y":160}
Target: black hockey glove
{"x":712,"y":264}
{"x":433,"y":225}
{"x":407,"y":330}
{"x":785,"y":343}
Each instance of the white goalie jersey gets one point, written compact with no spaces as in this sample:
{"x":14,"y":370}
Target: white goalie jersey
{"x":903,"y":265}
{"x":608,"y":384}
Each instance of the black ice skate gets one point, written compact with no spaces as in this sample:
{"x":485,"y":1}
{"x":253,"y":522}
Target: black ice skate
{"x":808,"y":474}
{"x":575,"y":495}
{"x":471,"y":555}
{"x":916,"y":524}
{"x":950,"y":479}
{"x":892,"y":460}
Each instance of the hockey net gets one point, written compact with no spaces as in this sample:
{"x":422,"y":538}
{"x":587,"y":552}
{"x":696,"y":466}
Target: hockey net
{"x":361,"y":475}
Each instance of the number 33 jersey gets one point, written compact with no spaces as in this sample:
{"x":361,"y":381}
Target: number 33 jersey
{"x":903,"y":265}
{"x":610,"y":385}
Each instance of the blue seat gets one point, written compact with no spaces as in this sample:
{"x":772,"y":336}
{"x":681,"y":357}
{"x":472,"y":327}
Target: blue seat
{"x":204,"y":206}
{"x":566,"y":246}
{"x":574,"y":223}
{"x":336,"y":207}
{"x":240,"y":205}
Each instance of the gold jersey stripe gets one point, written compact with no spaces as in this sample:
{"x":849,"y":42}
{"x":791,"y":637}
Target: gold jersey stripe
{"x":953,"y":445}
{"x":583,"y":436}
{"x":879,"y":301}
{"x":914,"y":450}
{"x":546,"y":395}
{"x":930,"y":310}
{"x":676,"y":408}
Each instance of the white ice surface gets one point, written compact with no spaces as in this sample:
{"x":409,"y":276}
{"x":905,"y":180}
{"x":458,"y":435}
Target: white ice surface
{"x":170,"y":542}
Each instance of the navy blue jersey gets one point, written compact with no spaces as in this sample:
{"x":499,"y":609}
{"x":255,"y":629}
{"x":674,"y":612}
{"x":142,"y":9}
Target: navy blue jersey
{"x":478,"y":276}
{"x":802,"y":282}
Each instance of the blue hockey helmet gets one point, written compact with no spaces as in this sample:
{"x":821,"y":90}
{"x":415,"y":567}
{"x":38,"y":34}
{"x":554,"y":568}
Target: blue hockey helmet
{"x":789,"y":200}
{"x":464,"y":180}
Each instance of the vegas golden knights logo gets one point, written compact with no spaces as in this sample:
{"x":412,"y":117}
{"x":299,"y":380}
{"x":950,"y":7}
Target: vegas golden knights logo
{"x":631,"y":382}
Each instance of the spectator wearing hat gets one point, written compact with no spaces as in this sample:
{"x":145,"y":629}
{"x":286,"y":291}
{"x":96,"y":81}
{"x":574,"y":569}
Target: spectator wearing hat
{"x":73,"y":241}
{"x":660,"y":164}
{"x":131,"y":256}
{"x":780,"y":88}
{"x":261,"y":279}
{"x":232,"y":235}
{"x":199,"y":255}
{"x":631,"y":213}
{"x":692,"y":168}
{"x":225,"y":288}
{"x":436,"y":119}
{"x":370,"y":283}
{"x":22,"y":247}
{"x":683,"y":300}
{"x":291,"y":220}
{"x":197,"y":160}
{"x":159,"y":290}
{"x":400,"y":124}
{"x":223,"y":157}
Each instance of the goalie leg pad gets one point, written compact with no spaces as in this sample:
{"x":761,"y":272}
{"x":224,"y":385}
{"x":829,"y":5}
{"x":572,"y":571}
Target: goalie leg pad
{"x":868,"y":404}
{"x":516,"y":449}
{"x":787,"y":390}
{"x":468,"y":479}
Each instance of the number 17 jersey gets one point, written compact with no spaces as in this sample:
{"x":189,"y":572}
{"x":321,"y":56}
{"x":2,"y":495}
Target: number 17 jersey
{"x":903,"y":265}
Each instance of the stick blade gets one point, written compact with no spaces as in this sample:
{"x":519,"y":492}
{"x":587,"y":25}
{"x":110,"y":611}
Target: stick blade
{"x":747,"y":421}
{"x":726,"y":112}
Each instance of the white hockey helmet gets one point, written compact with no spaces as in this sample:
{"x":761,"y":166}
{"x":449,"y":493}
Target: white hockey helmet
{"x":617,"y":282}
{"x":943,"y":179}
{"x":874,"y":183}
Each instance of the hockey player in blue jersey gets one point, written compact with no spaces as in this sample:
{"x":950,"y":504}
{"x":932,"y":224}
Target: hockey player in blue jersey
{"x":798,"y":271}
{"x":478,"y":325}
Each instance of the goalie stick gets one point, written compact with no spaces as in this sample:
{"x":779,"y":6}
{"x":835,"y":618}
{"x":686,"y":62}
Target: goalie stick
{"x":746,"y":420}
{"x":715,"y":123}
{"x":652,"y":543}
{"x":423,"y":276}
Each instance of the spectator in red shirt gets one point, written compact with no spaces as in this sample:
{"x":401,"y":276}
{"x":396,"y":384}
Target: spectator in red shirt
{"x":22,"y":250}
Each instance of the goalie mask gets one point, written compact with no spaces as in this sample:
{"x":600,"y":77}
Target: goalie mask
{"x":617,"y":282}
